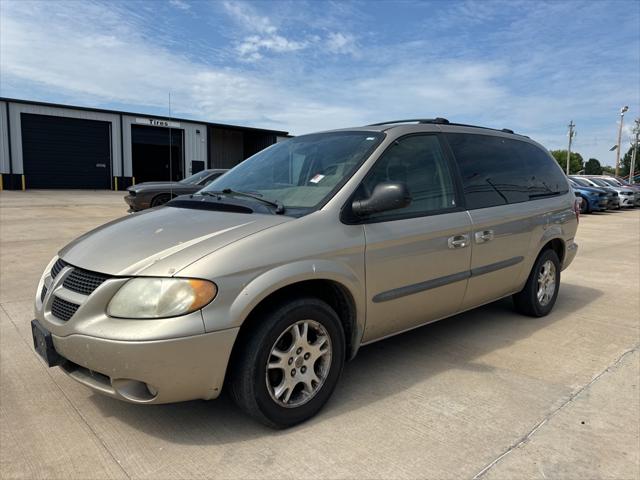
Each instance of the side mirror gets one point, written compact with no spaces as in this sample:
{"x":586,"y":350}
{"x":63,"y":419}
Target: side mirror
{"x":386,"y":196}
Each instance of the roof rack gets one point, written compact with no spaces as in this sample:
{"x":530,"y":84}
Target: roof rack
{"x":443,"y":121}
{"x":439,"y":120}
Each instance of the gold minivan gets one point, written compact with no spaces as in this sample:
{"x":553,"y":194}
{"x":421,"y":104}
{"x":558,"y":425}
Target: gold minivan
{"x":268,"y":279}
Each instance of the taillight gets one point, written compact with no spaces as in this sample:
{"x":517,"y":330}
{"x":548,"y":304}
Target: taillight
{"x":576,"y":207}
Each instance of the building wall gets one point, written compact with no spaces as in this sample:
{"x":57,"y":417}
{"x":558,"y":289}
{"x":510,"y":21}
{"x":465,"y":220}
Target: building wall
{"x":195,"y":144}
{"x":227,"y":147}
{"x":216,"y":146}
{"x":4,"y":139}
{"x":16,"y":131}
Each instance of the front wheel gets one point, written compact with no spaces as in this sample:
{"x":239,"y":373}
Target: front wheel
{"x":539,"y":295}
{"x":289,"y":366}
{"x":160,"y":200}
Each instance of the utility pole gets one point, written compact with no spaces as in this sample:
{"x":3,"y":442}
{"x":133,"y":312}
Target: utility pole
{"x":572,"y":133}
{"x":634,"y":155}
{"x":622,"y":111}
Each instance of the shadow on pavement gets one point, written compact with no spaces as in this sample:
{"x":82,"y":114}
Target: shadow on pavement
{"x":379,"y":371}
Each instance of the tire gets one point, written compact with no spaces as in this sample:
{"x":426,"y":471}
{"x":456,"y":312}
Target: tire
{"x":261,"y":391}
{"x":160,"y":199}
{"x":584,"y":206}
{"x":527,"y":301}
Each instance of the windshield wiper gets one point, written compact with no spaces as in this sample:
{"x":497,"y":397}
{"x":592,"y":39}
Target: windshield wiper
{"x":227,"y":191}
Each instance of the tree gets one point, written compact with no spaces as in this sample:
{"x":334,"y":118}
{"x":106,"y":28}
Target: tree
{"x":607,"y":170}
{"x":593,"y":167}
{"x":576,"y":163}
{"x":625,"y":163}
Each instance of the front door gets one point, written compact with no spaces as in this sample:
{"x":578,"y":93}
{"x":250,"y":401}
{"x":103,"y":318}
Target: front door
{"x":418,"y":257}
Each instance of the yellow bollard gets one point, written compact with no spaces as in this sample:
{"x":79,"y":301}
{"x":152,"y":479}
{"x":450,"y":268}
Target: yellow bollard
{"x":23,"y":184}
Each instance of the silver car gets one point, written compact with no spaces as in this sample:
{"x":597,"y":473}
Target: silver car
{"x":626,"y":196}
{"x":270,"y":278}
{"x":616,"y":182}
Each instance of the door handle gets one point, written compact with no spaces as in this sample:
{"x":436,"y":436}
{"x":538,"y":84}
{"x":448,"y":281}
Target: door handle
{"x":484,"y":236}
{"x":458,"y":241}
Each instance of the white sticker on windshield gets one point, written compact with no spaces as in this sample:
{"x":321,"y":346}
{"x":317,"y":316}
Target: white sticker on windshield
{"x":316,"y":178}
{"x":370,"y":138}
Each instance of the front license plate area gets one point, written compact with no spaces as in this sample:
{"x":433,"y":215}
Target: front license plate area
{"x":43,"y":344}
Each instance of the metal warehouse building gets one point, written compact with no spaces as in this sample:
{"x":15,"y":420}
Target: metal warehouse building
{"x":44,"y":145}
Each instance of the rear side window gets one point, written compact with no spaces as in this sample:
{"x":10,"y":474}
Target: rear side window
{"x":499,"y":171}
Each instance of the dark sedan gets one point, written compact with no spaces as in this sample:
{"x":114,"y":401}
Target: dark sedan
{"x":152,"y":194}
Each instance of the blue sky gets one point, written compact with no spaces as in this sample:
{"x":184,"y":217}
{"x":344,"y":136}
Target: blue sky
{"x":304,"y":66}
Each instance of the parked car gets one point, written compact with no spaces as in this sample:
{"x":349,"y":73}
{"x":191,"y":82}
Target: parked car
{"x":153,"y":194}
{"x":618,"y":182}
{"x":593,"y":199}
{"x":613,"y":201}
{"x":276,"y":273}
{"x":626,"y":195}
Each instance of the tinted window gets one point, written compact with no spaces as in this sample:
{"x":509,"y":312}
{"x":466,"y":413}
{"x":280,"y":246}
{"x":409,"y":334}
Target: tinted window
{"x":498,"y":171}
{"x":417,"y":161}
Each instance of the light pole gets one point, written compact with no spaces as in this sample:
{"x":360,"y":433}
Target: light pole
{"x":622,"y":111}
{"x":572,"y":133}
{"x":636,"y":130}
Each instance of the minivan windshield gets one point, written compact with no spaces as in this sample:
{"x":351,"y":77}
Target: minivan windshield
{"x":301,"y":172}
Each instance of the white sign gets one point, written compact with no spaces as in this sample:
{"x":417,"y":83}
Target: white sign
{"x":154,"y":122}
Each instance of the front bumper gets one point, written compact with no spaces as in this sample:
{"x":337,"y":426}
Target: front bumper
{"x":160,"y":371}
{"x":627,"y":201}
{"x":142,"y":361}
{"x":136,"y":203}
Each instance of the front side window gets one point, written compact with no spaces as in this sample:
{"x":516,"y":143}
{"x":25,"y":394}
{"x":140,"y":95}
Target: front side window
{"x":419,"y":162}
{"x":499,"y":171}
{"x":302,"y":172}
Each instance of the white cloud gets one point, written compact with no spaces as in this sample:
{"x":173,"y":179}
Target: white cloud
{"x":339,"y":42}
{"x":264,"y":35}
{"x":180,"y":4}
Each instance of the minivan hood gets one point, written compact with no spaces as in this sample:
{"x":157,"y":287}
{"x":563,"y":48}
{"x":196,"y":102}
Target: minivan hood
{"x":161,"y":241}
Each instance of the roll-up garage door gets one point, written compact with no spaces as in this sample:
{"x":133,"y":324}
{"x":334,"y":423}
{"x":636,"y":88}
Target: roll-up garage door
{"x":60,"y":152}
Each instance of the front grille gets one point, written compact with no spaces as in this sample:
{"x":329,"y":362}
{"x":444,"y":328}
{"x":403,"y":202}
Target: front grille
{"x":62,"y":309}
{"x":602,"y":194}
{"x":59,"y":265}
{"x":43,"y":294}
{"x":83,"y":281}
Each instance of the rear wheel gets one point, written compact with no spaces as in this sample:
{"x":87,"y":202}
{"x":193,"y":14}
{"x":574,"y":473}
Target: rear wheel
{"x":289,"y":366}
{"x":160,"y":200}
{"x":539,"y":295}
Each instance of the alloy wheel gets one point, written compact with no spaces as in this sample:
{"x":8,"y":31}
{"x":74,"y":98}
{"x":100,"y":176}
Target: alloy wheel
{"x":546,"y":283}
{"x":298,"y":363}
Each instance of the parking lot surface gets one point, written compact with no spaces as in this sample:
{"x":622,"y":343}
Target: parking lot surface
{"x":487,"y":394}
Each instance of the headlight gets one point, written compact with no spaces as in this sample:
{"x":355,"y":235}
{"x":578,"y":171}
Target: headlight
{"x":147,"y":297}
